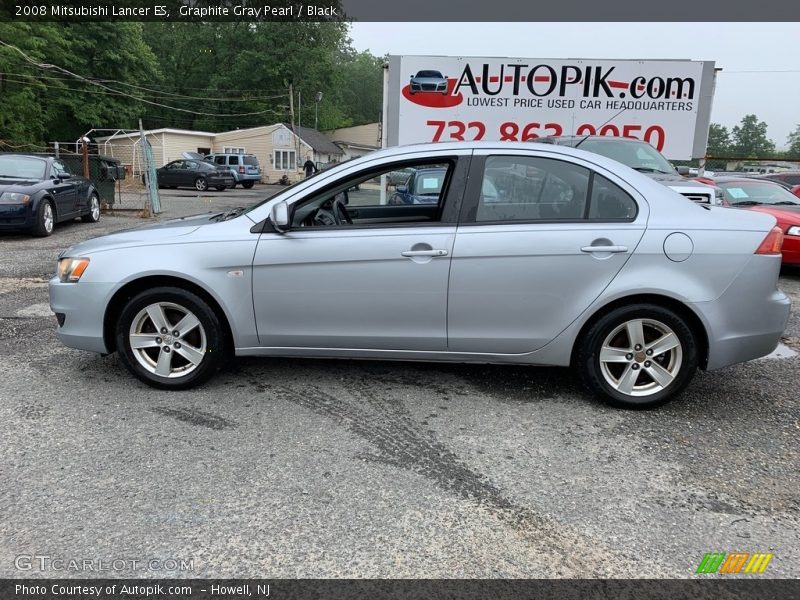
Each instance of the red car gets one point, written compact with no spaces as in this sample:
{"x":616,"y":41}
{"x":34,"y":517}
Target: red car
{"x":769,"y":197}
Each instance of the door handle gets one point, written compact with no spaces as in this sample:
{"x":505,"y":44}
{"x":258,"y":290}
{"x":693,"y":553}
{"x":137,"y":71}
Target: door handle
{"x":612,"y":249}
{"x":410,"y":253}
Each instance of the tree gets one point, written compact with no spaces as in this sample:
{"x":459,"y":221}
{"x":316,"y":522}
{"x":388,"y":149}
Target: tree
{"x":750,"y":138}
{"x":719,"y":140}
{"x":794,"y":142}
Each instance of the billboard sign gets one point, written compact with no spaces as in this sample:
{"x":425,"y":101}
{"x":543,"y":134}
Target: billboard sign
{"x":444,"y":98}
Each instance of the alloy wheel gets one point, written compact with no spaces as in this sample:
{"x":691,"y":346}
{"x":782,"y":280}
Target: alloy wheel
{"x":641,"y":357}
{"x":167,"y":340}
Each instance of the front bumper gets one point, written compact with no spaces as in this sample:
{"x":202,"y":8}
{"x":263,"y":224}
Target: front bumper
{"x":748,"y":319}
{"x":16,"y":216}
{"x":83,"y":306}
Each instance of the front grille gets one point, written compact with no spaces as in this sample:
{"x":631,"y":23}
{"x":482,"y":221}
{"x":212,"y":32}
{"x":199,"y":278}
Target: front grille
{"x":701,"y":198}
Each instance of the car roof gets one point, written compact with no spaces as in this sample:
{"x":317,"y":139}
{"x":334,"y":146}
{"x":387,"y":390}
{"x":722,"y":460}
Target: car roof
{"x":571,"y":140}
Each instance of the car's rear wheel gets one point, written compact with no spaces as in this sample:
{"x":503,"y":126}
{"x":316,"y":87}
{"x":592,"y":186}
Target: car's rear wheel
{"x":638,"y":356}
{"x":201,"y":184}
{"x":93,"y":216}
{"x":45,"y":219}
{"x":248,"y":184}
{"x":170,"y":338}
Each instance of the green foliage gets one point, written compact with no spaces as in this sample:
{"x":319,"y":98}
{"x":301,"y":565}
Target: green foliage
{"x":750,"y":139}
{"x":794,"y":143}
{"x":212,"y":76}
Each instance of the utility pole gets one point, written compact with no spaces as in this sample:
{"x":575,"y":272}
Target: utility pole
{"x":291,"y":113}
{"x":299,"y":107}
{"x":85,"y":153}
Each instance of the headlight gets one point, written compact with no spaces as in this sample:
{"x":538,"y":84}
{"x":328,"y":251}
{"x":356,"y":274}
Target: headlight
{"x":793,"y":230}
{"x":14,"y":198}
{"x":71,"y":269}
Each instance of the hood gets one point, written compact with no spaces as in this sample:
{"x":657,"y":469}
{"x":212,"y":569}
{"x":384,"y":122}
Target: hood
{"x":141,"y":236}
{"x":790,"y":214}
{"x":16,"y":185}
{"x":672,"y":179}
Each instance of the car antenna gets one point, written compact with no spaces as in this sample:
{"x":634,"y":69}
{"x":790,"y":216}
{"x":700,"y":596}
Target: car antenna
{"x":601,"y":126}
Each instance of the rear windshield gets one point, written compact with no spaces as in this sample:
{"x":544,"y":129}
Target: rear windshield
{"x":251,"y":160}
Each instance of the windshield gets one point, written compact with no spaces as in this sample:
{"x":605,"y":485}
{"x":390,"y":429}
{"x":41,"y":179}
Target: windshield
{"x":746,"y":193}
{"x":639,"y":156}
{"x":429,"y":183}
{"x":431,"y":74}
{"x":22,"y":167}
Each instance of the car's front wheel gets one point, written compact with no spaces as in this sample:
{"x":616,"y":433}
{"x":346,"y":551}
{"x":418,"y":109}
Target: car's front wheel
{"x":93,"y":216}
{"x":638,"y":356}
{"x":170,"y":338}
{"x":45,"y":219}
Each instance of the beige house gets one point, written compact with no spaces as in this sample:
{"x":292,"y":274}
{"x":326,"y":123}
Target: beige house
{"x":356,"y":141}
{"x":279,"y":150}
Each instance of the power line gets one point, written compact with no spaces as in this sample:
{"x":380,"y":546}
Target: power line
{"x":48,"y":66}
{"x":157,"y":92}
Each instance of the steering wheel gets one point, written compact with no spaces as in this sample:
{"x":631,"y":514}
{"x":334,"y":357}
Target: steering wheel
{"x":340,"y":213}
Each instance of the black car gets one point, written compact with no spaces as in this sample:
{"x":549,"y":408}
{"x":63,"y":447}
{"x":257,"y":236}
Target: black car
{"x":36,"y":192}
{"x":197,"y":174}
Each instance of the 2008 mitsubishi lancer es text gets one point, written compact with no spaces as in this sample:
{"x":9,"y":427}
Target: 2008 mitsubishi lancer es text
{"x":531,"y":253}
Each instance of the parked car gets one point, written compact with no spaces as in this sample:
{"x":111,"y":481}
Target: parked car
{"x":423,"y":186}
{"x":589,"y":264}
{"x":771,"y":198}
{"x":38,"y":192}
{"x":790,"y":178}
{"x":194,"y":173}
{"x":428,"y":81}
{"x":644,"y":158}
{"x":243,"y":167}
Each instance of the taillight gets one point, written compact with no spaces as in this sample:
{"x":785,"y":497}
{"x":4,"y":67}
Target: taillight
{"x":772,"y":243}
{"x":241,"y":170}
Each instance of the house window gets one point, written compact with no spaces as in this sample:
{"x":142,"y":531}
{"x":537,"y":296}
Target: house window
{"x":232,"y":150}
{"x":284,"y":160}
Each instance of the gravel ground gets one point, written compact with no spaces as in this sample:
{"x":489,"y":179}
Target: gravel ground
{"x":312,"y":468}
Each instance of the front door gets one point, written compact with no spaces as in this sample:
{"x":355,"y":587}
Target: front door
{"x":376,"y":283}
{"x":64,"y":191}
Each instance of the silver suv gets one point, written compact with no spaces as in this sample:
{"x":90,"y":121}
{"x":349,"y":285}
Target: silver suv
{"x":244,"y":168}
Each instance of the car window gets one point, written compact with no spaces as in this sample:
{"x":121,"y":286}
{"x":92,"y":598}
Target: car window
{"x":379,"y":199}
{"x":250,"y":160}
{"x":609,"y":201}
{"x":521,"y":188}
{"x":220,"y":160}
{"x":233,"y":160}
{"x":60,"y":168}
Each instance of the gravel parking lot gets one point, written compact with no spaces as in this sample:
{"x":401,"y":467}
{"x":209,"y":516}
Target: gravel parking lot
{"x":312,"y":468}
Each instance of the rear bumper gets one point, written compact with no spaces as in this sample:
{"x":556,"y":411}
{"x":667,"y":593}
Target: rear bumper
{"x":83,"y":306}
{"x":748,"y":319}
{"x":247,"y":177}
{"x":791,"y":250}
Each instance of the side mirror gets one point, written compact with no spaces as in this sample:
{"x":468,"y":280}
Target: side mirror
{"x":279,"y":216}
{"x":402,"y":189}
{"x":63,"y":176}
{"x":682,"y":170}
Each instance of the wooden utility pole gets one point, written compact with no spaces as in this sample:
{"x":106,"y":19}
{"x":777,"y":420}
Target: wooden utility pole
{"x":85,"y":153}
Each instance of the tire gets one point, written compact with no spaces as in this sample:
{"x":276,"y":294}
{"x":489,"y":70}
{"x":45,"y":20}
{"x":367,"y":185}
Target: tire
{"x":248,"y":184}
{"x":201,"y":184}
{"x":45,"y":219}
{"x":93,"y":216}
{"x":629,"y":376}
{"x":221,"y":188}
{"x":167,"y":361}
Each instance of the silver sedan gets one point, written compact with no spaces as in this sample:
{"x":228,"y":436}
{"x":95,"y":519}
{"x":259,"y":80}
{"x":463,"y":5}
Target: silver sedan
{"x":572,"y":260}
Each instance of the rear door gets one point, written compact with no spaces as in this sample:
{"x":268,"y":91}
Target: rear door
{"x":538,"y":241}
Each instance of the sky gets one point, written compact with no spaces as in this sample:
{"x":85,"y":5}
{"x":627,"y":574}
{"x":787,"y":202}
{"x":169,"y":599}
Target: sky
{"x":760,"y":65}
